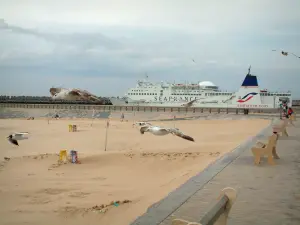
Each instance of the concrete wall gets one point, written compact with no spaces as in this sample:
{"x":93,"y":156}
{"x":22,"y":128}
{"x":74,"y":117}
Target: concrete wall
{"x":11,"y":110}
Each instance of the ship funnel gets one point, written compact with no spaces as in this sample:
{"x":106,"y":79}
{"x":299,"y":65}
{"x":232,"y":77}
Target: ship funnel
{"x":250,"y":80}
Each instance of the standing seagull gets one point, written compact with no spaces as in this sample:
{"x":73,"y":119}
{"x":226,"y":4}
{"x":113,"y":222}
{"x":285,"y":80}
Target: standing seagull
{"x":287,"y":53}
{"x":159,"y":131}
{"x":12,"y":138}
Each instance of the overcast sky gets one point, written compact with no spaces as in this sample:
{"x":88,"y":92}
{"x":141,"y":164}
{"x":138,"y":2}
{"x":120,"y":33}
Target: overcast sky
{"x":105,"y":46}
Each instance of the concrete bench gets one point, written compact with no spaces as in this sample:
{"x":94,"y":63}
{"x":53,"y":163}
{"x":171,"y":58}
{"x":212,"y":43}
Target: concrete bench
{"x":281,"y":128}
{"x":219,"y":211}
{"x":261,"y":149}
{"x":292,"y":118}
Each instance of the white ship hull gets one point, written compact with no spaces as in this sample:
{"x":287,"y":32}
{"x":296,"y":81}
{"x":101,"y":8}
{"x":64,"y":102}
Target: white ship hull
{"x":199,"y":105}
{"x":249,"y":95}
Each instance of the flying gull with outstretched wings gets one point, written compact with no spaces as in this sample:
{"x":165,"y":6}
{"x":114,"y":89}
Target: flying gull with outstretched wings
{"x":160,"y":131}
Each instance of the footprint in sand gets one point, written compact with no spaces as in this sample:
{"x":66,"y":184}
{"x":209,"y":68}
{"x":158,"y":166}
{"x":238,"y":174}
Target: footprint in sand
{"x":79,"y":194}
{"x":59,"y":174}
{"x":71,"y":210}
{"x":99,"y":178}
{"x":56,"y":165}
{"x":53,"y":191}
{"x":40,"y":156}
{"x":214,"y":153}
{"x":39,"y":200}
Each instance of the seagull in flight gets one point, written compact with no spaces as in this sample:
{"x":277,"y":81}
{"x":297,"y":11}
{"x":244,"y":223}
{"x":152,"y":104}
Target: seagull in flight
{"x":141,"y":123}
{"x":189,"y":104}
{"x":286,"y":53}
{"x":160,"y":131}
{"x":13,"y":138}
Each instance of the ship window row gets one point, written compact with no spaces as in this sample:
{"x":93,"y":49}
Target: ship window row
{"x":139,"y":90}
{"x":274,"y":94}
{"x":142,"y":93}
{"x":217,"y":94}
{"x":185,"y":94}
{"x":206,"y":94}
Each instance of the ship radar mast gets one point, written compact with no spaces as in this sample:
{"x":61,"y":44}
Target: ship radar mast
{"x":249,"y":70}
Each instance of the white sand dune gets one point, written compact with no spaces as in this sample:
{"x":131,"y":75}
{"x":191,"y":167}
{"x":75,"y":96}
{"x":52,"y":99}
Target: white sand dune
{"x":136,"y":170}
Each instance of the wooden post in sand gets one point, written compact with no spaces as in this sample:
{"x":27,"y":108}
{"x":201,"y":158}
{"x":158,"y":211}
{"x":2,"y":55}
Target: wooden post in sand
{"x":134,"y":113}
{"x":93,"y":117}
{"x":107,"y":125}
{"x":174,"y":121}
{"x":48,"y":116}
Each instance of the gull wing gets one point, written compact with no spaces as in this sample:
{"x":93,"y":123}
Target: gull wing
{"x":143,"y":129}
{"x":295,"y":55}
{"x":189,"y":104}
{"x":164,"y":129}
{"x":182,"y":135}
{"x":13,"y":141}
{"x":95,"y":98}
{"x":74,"y":93}
{"x":20,"y":133}
{"x":141,"y":123}
{"x":85,"y":94}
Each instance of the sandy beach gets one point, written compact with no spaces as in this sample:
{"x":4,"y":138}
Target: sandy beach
{"x":135,"y":171}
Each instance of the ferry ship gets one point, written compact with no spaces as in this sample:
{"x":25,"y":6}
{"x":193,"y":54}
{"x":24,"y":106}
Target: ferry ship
{"x":202,"y":94}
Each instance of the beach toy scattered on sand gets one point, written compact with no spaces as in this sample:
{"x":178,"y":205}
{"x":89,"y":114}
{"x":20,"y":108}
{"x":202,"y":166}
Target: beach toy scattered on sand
{"x":72,"y":128}
{"x":63,"y":156}
{"x":116,"y":204}
{"x":74,"y":157}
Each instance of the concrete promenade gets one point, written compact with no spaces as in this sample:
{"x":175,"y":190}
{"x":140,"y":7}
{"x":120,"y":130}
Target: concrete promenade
{"x":267,"y":195}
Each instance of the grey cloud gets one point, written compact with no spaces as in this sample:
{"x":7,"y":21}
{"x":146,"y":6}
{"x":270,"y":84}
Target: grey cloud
{"x":160,"y":52}
{"x":80,"y":40}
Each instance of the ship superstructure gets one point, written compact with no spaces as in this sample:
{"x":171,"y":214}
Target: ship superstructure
{"x":202,"y":94}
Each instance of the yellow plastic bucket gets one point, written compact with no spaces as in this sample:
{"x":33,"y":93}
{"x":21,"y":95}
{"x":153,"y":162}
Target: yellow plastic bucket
{"x":63,"y":155}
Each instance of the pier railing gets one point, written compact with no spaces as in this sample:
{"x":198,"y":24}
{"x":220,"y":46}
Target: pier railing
{"x":112,"y":108}
{"x":218,"y":214}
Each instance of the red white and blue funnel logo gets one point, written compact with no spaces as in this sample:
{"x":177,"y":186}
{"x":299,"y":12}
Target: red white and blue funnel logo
{"x":247,"y":97}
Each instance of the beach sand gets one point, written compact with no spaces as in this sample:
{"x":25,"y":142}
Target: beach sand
{"x":136,"y":170}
